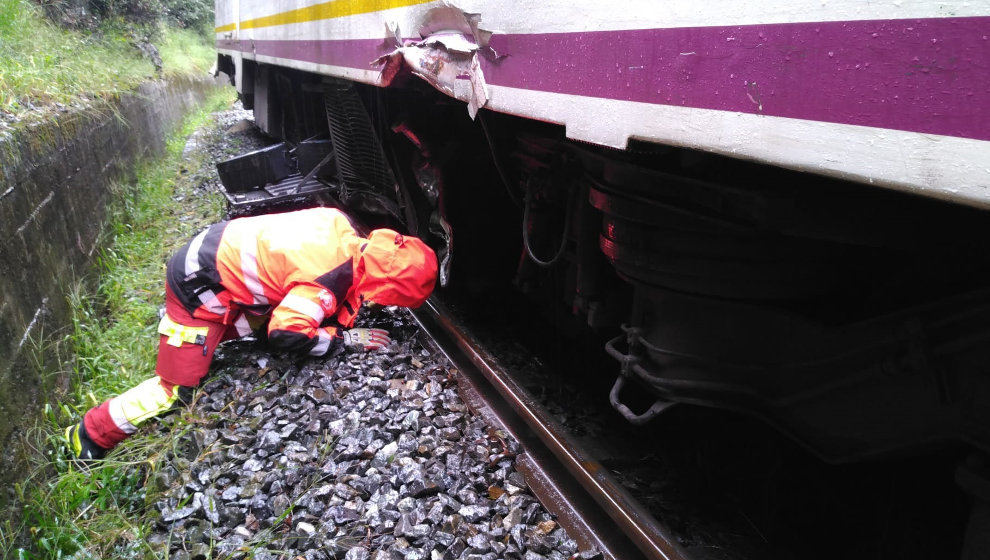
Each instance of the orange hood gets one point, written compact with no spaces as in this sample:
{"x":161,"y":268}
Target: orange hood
{"x":392,"y":269}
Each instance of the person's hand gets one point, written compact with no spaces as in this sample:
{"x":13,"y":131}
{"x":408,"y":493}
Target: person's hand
{"x":368,"y":339}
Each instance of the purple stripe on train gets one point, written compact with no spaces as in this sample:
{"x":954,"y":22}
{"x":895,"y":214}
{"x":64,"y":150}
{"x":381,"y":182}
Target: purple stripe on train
{"x":352,"y":53}
{"x":926,"y":76}
{"x":919,"y":75}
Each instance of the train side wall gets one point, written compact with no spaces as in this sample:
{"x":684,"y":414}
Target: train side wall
{"x":891,"y":95}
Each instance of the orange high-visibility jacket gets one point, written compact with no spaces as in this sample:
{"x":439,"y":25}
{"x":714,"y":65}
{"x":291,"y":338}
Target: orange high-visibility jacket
{"x":307,"y":269}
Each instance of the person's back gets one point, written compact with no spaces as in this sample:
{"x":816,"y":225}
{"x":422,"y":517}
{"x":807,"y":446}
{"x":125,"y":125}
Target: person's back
{"x":304,"y":274}
{"x":261,"y":258}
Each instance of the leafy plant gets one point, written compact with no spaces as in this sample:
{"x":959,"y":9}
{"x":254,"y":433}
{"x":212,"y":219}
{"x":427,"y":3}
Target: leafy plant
{"x":191,"y":13}
{"x":9,"y":11}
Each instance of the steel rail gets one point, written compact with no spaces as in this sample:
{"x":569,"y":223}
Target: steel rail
{"x":594,"y":508}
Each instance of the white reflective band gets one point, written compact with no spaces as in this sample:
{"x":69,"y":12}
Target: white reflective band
{"x":305,"y":306}
{"x":249,"y":271}
{"x":323,"y":344}
{"x":243,"y":326}
{"x":212,"y":303}
{"x":118,"y":417}
{"x":207,"y":297}
{"x":139,"y":403}
{"x":192,"y":254}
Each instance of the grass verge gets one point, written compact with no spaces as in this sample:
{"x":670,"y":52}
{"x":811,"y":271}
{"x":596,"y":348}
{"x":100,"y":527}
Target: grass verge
{"x":186,"y":51}
{"x":42,"y":64}
{"x":101,"y":512}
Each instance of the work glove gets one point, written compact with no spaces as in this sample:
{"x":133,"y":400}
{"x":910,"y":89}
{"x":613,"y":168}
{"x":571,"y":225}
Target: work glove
{"x":368,"y":339}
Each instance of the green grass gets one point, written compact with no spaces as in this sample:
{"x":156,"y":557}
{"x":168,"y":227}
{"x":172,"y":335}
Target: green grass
{"x":186,"y":51}
{"x":41,"y":64}
{"x":103,"y":512}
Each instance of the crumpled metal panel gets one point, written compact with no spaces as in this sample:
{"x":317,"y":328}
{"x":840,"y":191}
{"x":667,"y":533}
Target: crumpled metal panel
{"x":446,"y":56}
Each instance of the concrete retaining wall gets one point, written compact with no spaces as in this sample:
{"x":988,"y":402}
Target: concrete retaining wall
{"x":54,"y":189}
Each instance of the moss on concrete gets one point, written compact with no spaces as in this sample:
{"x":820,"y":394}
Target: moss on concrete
{"x":55,"y":185}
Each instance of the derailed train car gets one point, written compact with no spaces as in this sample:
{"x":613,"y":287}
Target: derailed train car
{"x":780,"y":208}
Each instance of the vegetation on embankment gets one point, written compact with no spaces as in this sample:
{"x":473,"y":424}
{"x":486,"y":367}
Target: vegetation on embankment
{"x":85,"y":57}
{"x":95,"y":49}
{"x":101,"y":512}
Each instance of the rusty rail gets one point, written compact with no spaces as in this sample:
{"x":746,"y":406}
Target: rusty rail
{"x":595,"y":509}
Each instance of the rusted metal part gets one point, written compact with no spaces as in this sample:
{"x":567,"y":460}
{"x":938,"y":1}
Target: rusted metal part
{"x":596,"y":509}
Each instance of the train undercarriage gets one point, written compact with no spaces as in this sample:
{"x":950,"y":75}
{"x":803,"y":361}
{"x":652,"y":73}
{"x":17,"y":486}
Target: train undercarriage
{"x":853,"y":318}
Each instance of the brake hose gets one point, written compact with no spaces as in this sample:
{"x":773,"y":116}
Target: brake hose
{"x":525,"y":230}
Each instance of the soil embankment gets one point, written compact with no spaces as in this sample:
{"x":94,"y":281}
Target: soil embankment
{"x":55,"y":178}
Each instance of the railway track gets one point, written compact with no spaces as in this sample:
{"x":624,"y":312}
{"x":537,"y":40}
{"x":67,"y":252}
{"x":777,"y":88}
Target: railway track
{"x":745,"y":494}
{"x":594,"y":508}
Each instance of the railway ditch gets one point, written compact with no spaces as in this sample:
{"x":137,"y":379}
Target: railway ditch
{"x":56,"y":177}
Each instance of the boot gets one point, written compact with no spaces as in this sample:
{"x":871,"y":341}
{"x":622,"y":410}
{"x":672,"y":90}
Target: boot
{"x":82,"y":447}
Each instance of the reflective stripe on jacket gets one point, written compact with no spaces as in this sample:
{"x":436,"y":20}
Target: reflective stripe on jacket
{"x":296,"y":266}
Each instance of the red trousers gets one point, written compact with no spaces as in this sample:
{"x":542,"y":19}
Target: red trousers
{"x":183,"y":365}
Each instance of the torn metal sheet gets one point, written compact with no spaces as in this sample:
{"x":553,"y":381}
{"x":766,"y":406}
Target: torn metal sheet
{"x":446,"y":56}
{"x":447,"y":18}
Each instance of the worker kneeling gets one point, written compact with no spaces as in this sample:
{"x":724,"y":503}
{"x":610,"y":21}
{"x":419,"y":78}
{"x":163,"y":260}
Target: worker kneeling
{"x":305,"y":273}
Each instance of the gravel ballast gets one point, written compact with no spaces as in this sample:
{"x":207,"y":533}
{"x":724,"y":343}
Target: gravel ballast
{"x":360,"y":455}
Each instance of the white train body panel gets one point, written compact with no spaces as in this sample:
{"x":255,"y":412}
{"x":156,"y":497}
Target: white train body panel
{"x":895,"y":94}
